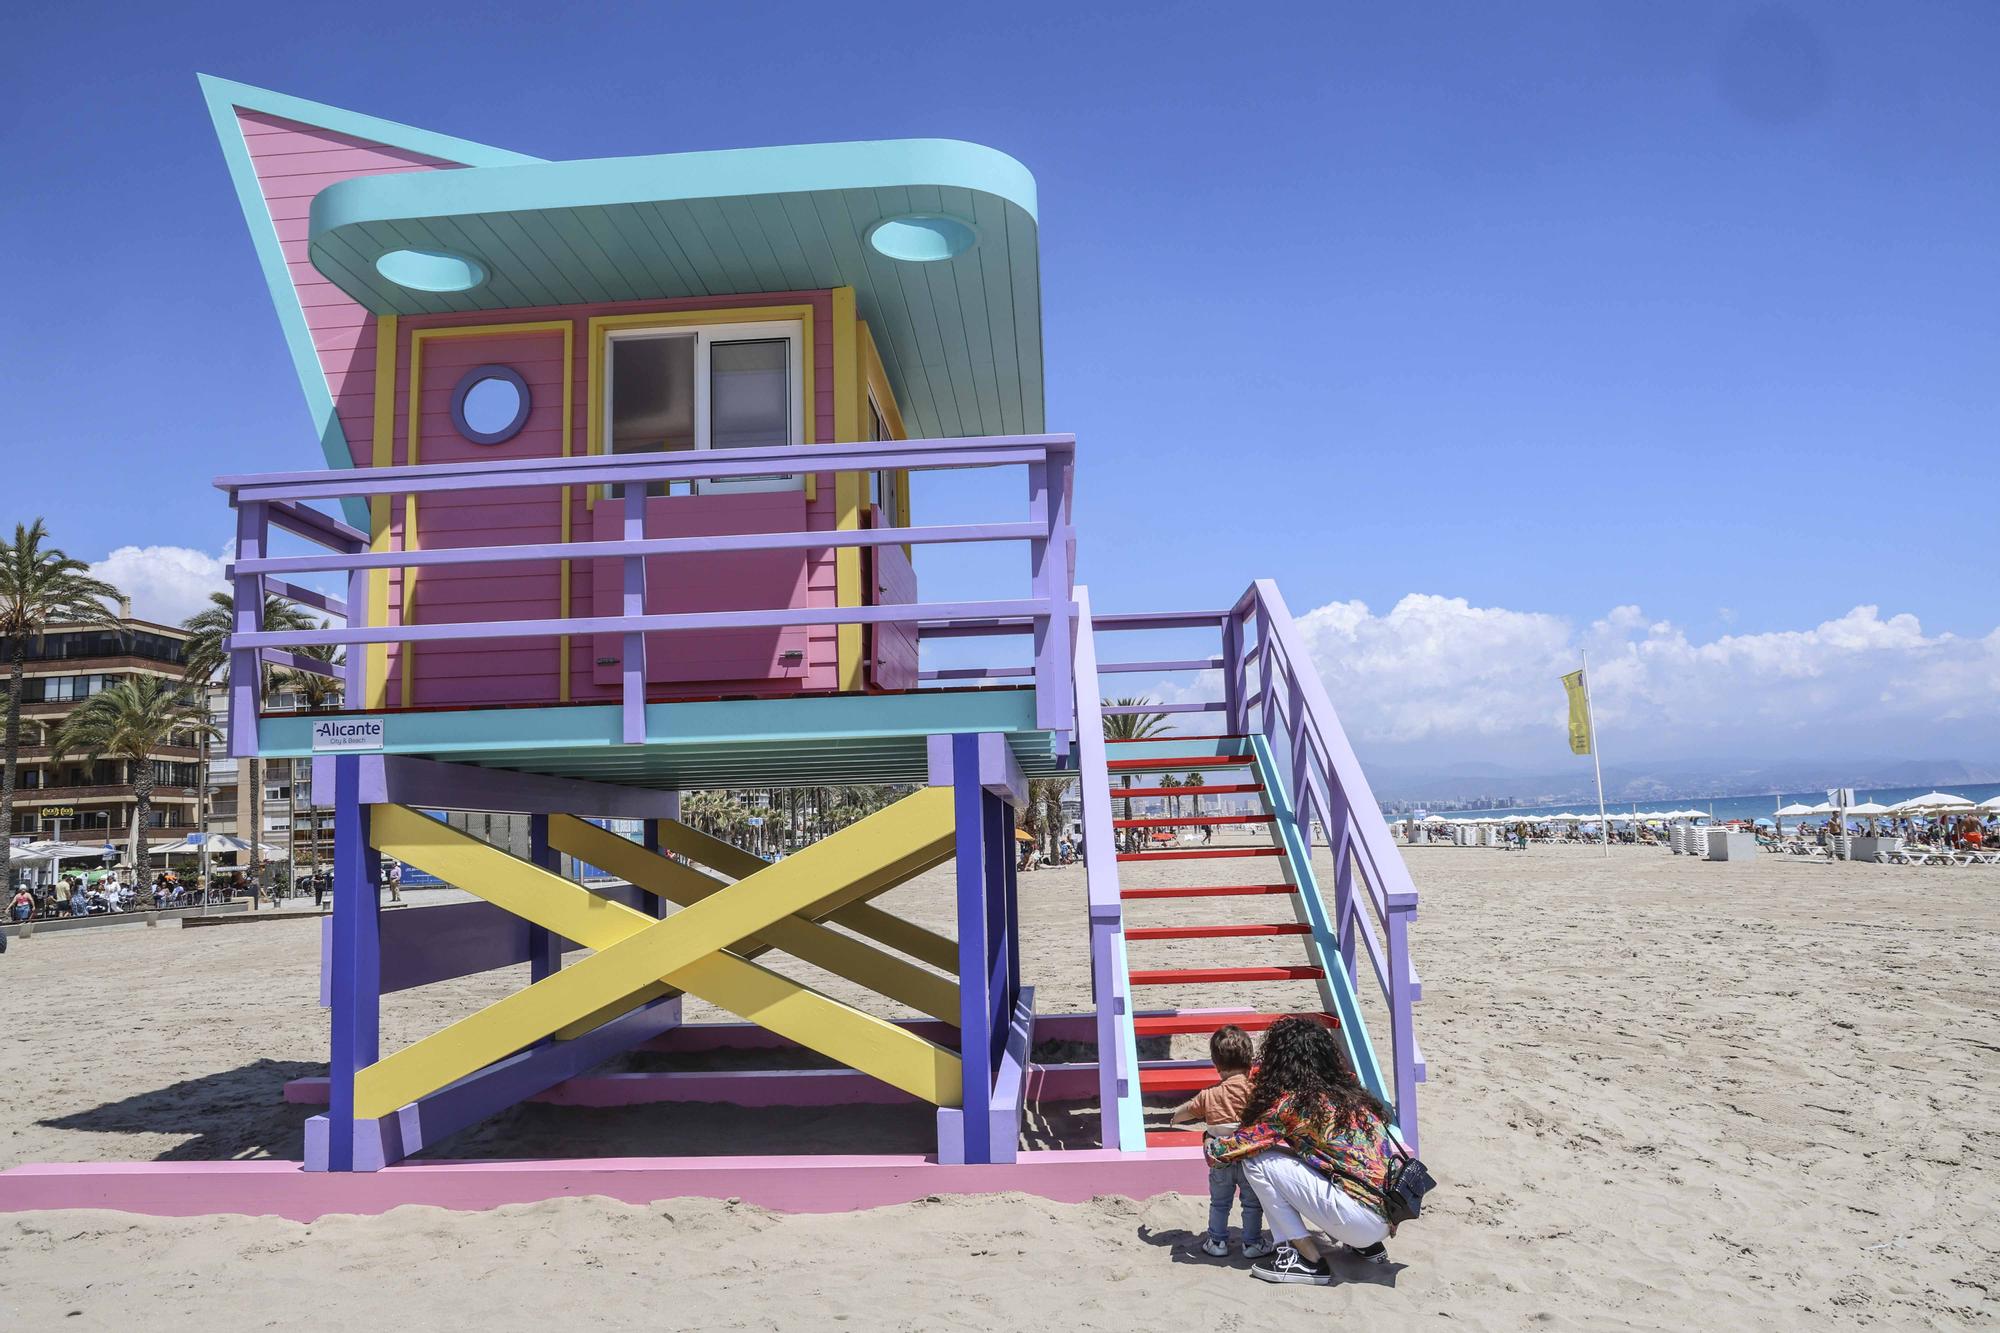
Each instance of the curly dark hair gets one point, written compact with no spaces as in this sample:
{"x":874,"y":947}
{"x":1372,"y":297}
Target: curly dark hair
{"x":1302,"y":1057}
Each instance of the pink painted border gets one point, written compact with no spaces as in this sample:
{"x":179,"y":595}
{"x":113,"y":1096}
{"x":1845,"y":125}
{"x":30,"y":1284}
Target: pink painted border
{"x":786,"y":1184}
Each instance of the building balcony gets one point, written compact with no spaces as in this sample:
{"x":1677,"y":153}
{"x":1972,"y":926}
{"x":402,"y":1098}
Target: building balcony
{"x":98,"y":794}
{"x":759,"y":586}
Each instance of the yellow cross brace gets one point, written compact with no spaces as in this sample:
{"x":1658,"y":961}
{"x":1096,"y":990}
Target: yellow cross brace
{"x":807,"y":940}
{"x":926,"y":946}
{"x":687,"y":950}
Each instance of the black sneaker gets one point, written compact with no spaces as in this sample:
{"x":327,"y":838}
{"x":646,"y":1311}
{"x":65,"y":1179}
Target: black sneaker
{"x":1288,"y":1265}
{"x":1378,"y":1253}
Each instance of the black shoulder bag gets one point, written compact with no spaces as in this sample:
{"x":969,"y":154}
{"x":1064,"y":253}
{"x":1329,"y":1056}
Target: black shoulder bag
{"x":1404,"y":1184}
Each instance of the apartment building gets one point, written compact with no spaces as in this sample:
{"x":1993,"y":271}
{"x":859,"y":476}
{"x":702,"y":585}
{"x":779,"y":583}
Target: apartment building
{"x":76,"y":799}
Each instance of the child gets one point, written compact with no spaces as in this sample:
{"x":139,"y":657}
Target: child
{"x":1217,"y":1110}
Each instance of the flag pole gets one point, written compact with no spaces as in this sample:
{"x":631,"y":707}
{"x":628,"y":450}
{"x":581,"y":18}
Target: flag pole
{"x":1596,"y":763}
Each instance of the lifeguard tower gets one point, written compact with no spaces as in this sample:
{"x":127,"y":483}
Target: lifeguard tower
{"x":616,"y":464}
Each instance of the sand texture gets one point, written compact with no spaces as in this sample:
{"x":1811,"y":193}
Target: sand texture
{"x":1663,"y":1095}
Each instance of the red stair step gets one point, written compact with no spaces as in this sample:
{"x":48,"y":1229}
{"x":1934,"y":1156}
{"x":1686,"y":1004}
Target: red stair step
{"x":1185,"y":1078}
{"x":1174,"y":1025}
{"x":1210,"y":891}
{"x":1204,"y":976}
{"x":1213,"y":932}
{"x":1168,"y":765}
{"x":1173,"y":1138}
{"x":1165,"y":740}
{"x":1175,"y":822}
{"x":1201,"y":853}
{"x":1223,"y":789}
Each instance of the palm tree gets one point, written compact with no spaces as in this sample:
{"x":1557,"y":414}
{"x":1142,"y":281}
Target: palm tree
{"x":1195,"y":779}
{"x":39,"y":586}
{"x":1131,"y":727}
{"x":129,"y":721}
{"x":208,"y":663}
{"x":1042,"y":817}
{"x":717,"y":813}
{"x":316,"y":694}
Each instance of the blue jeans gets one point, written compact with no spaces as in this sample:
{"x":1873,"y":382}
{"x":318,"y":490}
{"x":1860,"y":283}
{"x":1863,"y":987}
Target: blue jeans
{"x":1225,"y":1183}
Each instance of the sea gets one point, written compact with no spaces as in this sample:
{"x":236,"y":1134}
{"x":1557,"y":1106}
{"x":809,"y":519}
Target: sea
{"x":1759,"y":805}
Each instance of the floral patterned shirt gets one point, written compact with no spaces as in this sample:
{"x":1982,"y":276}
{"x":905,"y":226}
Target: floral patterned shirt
{"x":1340,"y":1152}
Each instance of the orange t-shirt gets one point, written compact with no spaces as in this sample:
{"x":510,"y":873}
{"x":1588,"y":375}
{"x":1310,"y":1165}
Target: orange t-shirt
{"x":1222,"y":1104}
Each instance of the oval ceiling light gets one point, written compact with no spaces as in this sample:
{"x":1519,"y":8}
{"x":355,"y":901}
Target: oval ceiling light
{"x":922,"y":238}
{"x":431,"y":270}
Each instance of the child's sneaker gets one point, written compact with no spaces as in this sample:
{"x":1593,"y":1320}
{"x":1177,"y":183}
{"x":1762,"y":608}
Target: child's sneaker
{"x":1288,"y":1265}
{"x":1378,"y":1253}
{"x":1215,"y":1246}
{"x":1257,"y":1248}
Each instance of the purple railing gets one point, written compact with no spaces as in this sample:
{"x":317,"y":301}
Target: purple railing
{"x":1328,"y":788}
{"x":1270,"y":689}
{"x":281,"y":501}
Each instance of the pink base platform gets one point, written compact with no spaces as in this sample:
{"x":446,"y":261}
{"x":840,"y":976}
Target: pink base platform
{"x":786,"y":1184}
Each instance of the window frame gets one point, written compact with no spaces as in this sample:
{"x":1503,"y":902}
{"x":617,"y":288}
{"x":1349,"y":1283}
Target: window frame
{"x":790,"y":331}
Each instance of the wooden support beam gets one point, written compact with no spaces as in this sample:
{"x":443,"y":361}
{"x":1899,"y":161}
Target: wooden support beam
{"x":865,"y":919}
{"x":806,"y":940}
{"x":687,"y":950}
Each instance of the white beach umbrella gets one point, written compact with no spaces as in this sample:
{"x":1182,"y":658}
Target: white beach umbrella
{"x":1796,"y":810}
{"x":1991,"y":803}
{"x":1935,"y":800}
{"x":1868,"y":808}
{"x":68,"y":851}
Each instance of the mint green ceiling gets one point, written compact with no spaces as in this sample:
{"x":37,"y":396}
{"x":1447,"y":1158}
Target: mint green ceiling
{"x":960,"y":337}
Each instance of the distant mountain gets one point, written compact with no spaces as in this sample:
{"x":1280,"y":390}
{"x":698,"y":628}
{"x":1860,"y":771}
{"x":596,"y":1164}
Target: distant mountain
{"x":1685,"y":778}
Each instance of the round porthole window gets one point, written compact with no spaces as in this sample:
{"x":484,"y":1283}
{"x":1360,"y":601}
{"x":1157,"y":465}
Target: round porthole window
{"x":490,"y":404}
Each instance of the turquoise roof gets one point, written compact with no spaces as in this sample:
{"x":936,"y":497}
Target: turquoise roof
{"x":958,"y":325}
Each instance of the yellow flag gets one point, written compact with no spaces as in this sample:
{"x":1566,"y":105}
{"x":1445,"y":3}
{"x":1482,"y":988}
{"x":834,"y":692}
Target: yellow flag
{"x":1579,"y":714}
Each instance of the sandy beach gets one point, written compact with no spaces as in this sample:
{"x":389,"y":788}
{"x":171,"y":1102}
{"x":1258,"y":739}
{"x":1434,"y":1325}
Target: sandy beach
{"x":1755,"y":1095}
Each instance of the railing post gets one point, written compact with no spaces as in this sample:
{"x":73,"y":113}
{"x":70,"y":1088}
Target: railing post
{"x":1402,"y":1022}
{"x":1237,"y":707}
{"x":354,"y":665}
{"x":1049,"y":558}
{"x":1301,"y":761}
{"x":1340,"y":844}
{"x":1267,"y":684}
{"x":633,"y":695}
{"x":246,"y":665}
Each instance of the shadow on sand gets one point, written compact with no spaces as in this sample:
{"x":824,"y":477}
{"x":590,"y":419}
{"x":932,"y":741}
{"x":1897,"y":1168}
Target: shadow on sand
{"x":238,"y":1113}
{"x":1347,"y":1271}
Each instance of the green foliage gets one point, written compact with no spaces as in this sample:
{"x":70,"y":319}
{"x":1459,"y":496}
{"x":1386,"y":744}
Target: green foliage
{"x":40,"y":586}
{"x":129,"y":721}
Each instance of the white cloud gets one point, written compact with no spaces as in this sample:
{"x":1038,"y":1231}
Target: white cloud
{"x":167,"y":584}
{"x":1438,"y":672}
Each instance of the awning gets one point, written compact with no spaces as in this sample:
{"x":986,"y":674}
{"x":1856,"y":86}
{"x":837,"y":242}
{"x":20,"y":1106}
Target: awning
{"x":938,"y":239}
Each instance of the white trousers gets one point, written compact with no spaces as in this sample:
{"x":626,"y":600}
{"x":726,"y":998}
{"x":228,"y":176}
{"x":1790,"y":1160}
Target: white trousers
{"x":1293,"y":1195}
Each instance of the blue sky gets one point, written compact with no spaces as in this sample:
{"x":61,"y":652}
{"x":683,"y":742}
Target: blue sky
{"x":1534,"y":310}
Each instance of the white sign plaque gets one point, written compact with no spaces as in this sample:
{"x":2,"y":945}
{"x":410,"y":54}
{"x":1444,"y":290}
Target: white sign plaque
{"x":333,"y":735}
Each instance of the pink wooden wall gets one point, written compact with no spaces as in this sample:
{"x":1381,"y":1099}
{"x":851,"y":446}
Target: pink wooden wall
{"x":892,"y":649}
{"x":525,"y":672}
{"x":294,"y":162}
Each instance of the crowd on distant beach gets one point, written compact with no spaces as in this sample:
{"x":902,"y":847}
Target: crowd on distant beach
{"x":72,"y":895}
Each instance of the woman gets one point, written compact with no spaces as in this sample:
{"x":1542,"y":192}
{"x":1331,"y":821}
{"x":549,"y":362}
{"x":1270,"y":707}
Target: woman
{"x":1315,"y":1146}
